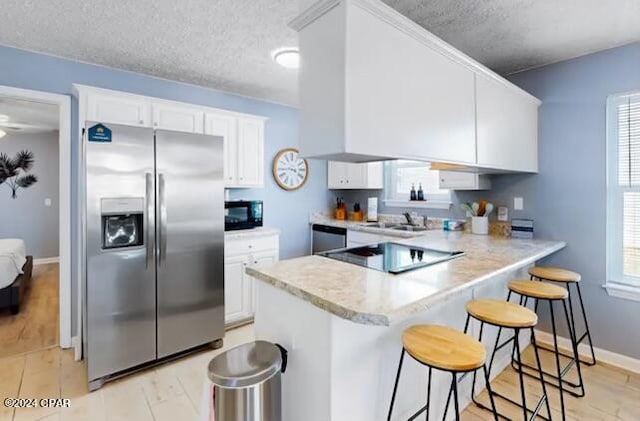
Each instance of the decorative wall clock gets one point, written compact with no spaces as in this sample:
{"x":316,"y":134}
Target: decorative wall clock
{"x":289,"y":170}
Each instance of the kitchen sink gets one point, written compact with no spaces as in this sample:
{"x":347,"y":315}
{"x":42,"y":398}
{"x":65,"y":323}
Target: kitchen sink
{"x":411,"y":228}
{"x":380,"y":225}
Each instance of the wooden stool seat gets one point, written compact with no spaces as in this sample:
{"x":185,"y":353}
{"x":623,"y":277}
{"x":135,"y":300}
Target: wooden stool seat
{"x":443,"y":347}
{"x":541,"y":290}
{"x":554,"y":274}
{"x":502,"y":313}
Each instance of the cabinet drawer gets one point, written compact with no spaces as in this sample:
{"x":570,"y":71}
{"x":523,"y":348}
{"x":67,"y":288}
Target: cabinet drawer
{"x":234,"y":247}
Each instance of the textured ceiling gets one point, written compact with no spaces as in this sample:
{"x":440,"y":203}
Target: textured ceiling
{"x":226,"y":44}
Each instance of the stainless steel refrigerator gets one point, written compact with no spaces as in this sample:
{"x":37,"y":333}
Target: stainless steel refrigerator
{"x":154,"y":238}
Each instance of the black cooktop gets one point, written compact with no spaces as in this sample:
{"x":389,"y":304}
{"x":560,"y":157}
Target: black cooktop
{"x":391,"y":257}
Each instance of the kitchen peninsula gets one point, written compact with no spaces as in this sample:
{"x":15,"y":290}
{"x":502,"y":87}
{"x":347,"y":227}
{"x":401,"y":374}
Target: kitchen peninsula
{"x":342,"y":323}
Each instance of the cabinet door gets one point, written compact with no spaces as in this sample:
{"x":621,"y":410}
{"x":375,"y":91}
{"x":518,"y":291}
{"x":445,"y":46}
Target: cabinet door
{"x":507,"y":127}
{"x":178,"y":118}
{"x":234,"y":289}
{"x":356,"y":176}
{"x":250,"y":152}
{"x":375,"y":175}
{"x":118,"y":109}
{"x":250,"y":290}
{"x":225,"y":126}
{"x":336,"y":175}
{"x":457,"y":180}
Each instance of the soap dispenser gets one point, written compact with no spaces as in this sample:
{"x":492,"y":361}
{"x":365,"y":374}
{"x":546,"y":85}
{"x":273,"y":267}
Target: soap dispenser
{"x":412,"y":195}
{"x":420,"y":192}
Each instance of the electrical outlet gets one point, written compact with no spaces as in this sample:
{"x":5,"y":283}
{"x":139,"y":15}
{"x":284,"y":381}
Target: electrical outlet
{"x":518,"y":203}
{"x":47,"y":202}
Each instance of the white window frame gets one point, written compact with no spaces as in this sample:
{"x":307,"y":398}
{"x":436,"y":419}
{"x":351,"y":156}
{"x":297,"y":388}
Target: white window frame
{"x":392,"y":199}
{"x":617,"y":284}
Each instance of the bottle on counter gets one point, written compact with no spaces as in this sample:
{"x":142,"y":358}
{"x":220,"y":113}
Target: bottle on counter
{"x":420,"y":192}
{"x":412,"y":194}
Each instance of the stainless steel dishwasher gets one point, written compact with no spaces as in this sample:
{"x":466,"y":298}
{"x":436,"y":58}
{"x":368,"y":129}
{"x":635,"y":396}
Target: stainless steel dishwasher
{"x":327,"y":238}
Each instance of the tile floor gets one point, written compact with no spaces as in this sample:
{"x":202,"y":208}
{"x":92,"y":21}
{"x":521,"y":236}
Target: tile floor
{"x":173,"y":391}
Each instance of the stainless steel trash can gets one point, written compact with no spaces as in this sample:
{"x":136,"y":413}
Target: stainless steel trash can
{"x":246,"y":382}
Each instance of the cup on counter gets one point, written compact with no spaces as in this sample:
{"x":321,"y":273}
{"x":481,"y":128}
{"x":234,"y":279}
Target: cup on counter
{"x":480,"y":225}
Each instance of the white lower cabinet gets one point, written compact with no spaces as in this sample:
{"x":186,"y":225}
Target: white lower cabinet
{"x":233,"y":288}
{"x":239,"y":291}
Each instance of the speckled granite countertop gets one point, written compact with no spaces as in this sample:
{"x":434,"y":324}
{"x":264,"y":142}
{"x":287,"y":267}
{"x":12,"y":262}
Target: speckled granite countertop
{"x":372,"y":297}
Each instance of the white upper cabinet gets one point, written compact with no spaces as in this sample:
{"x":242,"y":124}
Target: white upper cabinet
{"x":403,"y":98}
{"x":250,"y":162}
{"x":507,"y":127}
{"x":178,"y":117}
{"x":456,"y":180}
{"x":118,"y":109}
{"x":345,"y":175}
{"x":243,"y":134}
{"x":243,"y":148}
{"x":374,"y":85}
{"x":225,"y":126}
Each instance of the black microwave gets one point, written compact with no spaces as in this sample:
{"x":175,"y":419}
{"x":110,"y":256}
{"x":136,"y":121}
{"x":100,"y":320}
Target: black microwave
{"x":242,"y":214}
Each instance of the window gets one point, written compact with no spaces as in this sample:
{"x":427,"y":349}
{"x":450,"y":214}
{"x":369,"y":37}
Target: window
{"x":401,"y":175}
{"x":623,"y":196}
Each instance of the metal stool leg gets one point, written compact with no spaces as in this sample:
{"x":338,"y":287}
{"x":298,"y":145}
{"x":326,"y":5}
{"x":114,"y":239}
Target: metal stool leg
{"x":576,"y":356}
{"x":395,"y":386}
{"x":564,"y":370}
{"x":588,"y":332}
{"x":516,"y":350}
{"x":494,"y":410}
{"x":454,"y":385}
{"x":541,"y":376}
{"x":557,"y":355}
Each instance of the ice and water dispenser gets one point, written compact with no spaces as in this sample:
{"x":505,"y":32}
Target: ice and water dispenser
{"x":122,"y":222}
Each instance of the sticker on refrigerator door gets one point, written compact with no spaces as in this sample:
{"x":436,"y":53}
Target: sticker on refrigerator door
{"x":99,"y":133}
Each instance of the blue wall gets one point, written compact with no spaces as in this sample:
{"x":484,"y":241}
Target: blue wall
{"x":288,"y":211}
{"x":567,"y":199}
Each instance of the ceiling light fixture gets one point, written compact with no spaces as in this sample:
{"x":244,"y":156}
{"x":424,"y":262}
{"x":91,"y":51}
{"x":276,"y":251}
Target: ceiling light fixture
{"x":2,"y":133}
{"x":287,"y":57}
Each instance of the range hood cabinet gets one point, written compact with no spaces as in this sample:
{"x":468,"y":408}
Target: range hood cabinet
{"x":374,"y":86}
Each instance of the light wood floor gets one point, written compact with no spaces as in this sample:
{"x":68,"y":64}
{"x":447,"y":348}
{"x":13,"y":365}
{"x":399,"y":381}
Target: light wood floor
{"x":36,"y":325}
{"x":611,"y":393}
{"x":175,"y":391}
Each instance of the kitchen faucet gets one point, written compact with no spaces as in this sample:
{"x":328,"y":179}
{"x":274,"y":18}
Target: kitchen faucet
{"x":409,"y":219}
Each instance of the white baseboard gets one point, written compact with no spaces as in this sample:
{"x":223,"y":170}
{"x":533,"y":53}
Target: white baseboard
{"x":608,"y":357}
{"x":46,"y":260}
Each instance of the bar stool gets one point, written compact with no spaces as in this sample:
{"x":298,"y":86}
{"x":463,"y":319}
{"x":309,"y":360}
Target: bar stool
{"x":551,"y":293}
{"x":554,"y":274}
{"x":506,"y":315}
{"x":445,"y":349}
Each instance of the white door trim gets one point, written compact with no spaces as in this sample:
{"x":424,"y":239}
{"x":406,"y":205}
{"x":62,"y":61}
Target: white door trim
{"x":64,"y":209}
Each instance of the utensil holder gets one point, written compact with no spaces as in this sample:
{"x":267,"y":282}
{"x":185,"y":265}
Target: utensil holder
{"x":480,"y":225}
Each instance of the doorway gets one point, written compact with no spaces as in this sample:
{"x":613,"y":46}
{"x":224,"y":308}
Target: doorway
{"x":35,"y":220}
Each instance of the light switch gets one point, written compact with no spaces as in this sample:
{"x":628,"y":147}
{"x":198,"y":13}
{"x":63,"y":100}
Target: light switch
{"x":47,"y":202}
{"x":518,"y":203}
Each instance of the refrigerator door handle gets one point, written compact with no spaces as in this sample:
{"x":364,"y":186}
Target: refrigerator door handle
{"x":162,"y":232}
{"x":150,"y":214}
